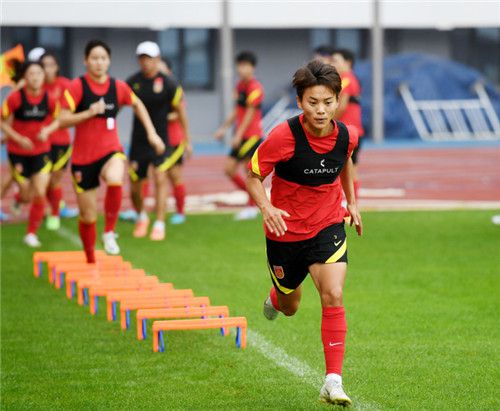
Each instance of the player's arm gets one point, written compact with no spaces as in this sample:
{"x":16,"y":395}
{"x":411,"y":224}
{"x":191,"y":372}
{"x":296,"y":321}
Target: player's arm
{"x":272,"y":216}
{"x":343,"y":102}
{"x":68,"y":118}
{"x":245,"y":122}
{"x":346,"y":177}
{"x":142,"y":114}
{"x":219,"y":134}
{"x":181,"y":112}
{"x":11,"y":134}
{"x":46,"y":131}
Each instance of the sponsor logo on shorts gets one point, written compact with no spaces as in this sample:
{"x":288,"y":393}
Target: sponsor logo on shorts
{"x":78,"y":176}
{"x":279,"y":272}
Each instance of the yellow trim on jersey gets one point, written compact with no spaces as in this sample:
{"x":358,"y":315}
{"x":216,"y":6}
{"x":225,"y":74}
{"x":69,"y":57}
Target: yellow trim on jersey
{"x":69,"y":100}
{"x":171,"y":160}
{"x":133,"y":175}
{"x":5,"y":110}
{"x":345,"y":82}
{"x":255,"y":163}
{"x":47,"y":168}
{"x":133,"y":97}
{"x":177,"y":96}
{"x":337,"y":255}
{"x":57,"y":110}
{"x":247,"y":146}
{"x":254,"y":95}
{"x":119,"y":155}
{"x":284,"y":290}
{"x":61,"y":162}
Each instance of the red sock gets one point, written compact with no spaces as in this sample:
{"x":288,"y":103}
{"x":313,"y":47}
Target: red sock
{"x":180,"y":197}
{"x":88,"y":235}
{"x":356,"y":188}
{"x":274,"y":298}
{"x":239,"y":181}
{"x":145,"y":189}
{"x":112,"y":204}
{"x":36,"y":214}
{"x":54,"y":195}
{"x":333,"y":331}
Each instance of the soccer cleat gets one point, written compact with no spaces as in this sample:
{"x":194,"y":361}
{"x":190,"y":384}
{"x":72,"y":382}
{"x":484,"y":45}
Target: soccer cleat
{"x":67,"y":212}
{"x":141,"y":227}
{"x":128,"y":215}
{"x":177,"y":219}
{"x":332,"y":391}
{"x":53,"y":223}
{"x":269,"y":311}
{"x":31,"y":240}
{"x":110,"y":245}
{"x":158,"y":231}
{"x":248,"y":213}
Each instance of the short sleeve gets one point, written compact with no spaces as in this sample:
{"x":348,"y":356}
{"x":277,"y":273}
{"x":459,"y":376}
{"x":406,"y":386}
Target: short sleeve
{"x":11,"y":104}
{"x":347,"y":85}
{"x":72,"y":95}
{"x":126,"y":97}
{"x":255,"y":94}
{"x":353,"y":139}
{"x":278,"y":147}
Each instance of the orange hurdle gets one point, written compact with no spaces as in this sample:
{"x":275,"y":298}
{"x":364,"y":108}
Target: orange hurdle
{"x":60,"y":268}
{"x":122,"y":283}
{"x":162,"y":290}
{"x":145,"y":314}
{"x":39,"y":257}
{"x":239,"y":322}
{"x":134,"y":304}
{"x":72,"y":277}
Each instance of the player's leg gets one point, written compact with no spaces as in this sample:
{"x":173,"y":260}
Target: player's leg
{"x":60,"y":156}
{"x":179,"y":191}
{"x":329,"y":280}
{"x":138,"y":172}
{"x":112,"y":173}
{"x":161,"y":190}
{"x":87,"y":204}
{"x":39,"y":182}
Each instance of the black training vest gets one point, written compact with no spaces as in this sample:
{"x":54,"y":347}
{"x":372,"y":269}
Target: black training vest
{"x":110,"y":98}
{"x":308,"y":168}
{"x":32,"y":112}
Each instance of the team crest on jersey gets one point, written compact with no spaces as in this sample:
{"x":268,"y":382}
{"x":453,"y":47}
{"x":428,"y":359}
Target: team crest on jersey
{"x":158,"y":85}
{"x":136,"y":86}
{"x":279,"y":272}
{"x":78,"y":176}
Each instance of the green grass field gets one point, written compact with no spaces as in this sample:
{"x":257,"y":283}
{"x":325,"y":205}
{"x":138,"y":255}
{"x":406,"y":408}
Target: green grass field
{"x":422,"y":300}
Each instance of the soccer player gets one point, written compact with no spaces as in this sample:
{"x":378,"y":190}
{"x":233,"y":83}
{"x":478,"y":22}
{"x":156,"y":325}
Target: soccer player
{"x":349,"y":108}
{"x":160,"y":94}
{"x":310,"y":155}
{"x":28,"y":120}
{"x":91,"y":104}
{"x":60,"y":140}
{"x":247,"y":117}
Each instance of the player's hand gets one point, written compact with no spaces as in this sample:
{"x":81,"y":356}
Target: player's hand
{"x":355,"y":218}
{"x":273,"y":218}
{"x":26,"y":143}
{"x":43,"y":135}
{"x":219,"y":134}
{"x":99,"y":107}
{"x":157,"y":143}
{"x":189,"y":149}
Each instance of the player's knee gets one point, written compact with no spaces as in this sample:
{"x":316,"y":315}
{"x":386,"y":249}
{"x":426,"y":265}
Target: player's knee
{"x":332,"y":297}
{"x":88,"y":216}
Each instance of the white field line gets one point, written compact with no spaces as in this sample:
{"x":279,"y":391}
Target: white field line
{"x":70,"y":236}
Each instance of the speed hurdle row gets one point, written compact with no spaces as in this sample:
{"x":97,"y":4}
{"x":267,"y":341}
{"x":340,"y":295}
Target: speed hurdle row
{"x":127,"y":289}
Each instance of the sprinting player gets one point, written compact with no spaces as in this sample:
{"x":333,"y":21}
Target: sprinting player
{"x":349,"y":108}
{"x":178,"y":134}
{"x":247,"y":118}
{"x":160,"y":94}
{"x":28,"y":120}
{"x":311,"y":158}
{"x":60,"y":140}
{"x":91,"y":104}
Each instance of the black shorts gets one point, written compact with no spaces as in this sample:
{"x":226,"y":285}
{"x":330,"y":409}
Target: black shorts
{"x":24,"y":167}
{"x":289,"y":262}
{"x":139,"y":162}
{"x":246,"y":149}
{"x":60,"y":156}
{"x":355,"y":152}
{"x":86,"y":176}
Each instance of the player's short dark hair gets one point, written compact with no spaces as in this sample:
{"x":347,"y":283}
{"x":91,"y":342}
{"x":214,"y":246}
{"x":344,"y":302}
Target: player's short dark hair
{"x":347,"y":54}
{"x":324,"y":50}
{"x":316,"y":73}
{"x":247,"y":57}
{"x":92,"y":44}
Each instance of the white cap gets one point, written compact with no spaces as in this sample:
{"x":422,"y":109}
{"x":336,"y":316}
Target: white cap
{"x":36,"y":53}
{"x":148,"y":48}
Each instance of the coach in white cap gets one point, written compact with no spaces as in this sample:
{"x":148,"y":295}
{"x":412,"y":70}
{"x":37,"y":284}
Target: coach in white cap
{"x":36,"y":54}
{"x":148,"y":48}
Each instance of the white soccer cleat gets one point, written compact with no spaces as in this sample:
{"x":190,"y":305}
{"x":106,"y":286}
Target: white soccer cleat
{"x":248,"y":213}
{"x":110,"y":245}
{"x":332,"y":391}
{"x":269,"y":311}
{"x":31,"y":240}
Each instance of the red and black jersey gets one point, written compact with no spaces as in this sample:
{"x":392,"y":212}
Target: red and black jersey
{"x":305,"y":182}
{"x":56,"y":89}
{"x":31,"y":114}
{"x":250,"y":94}
{"x":98,"y":136}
